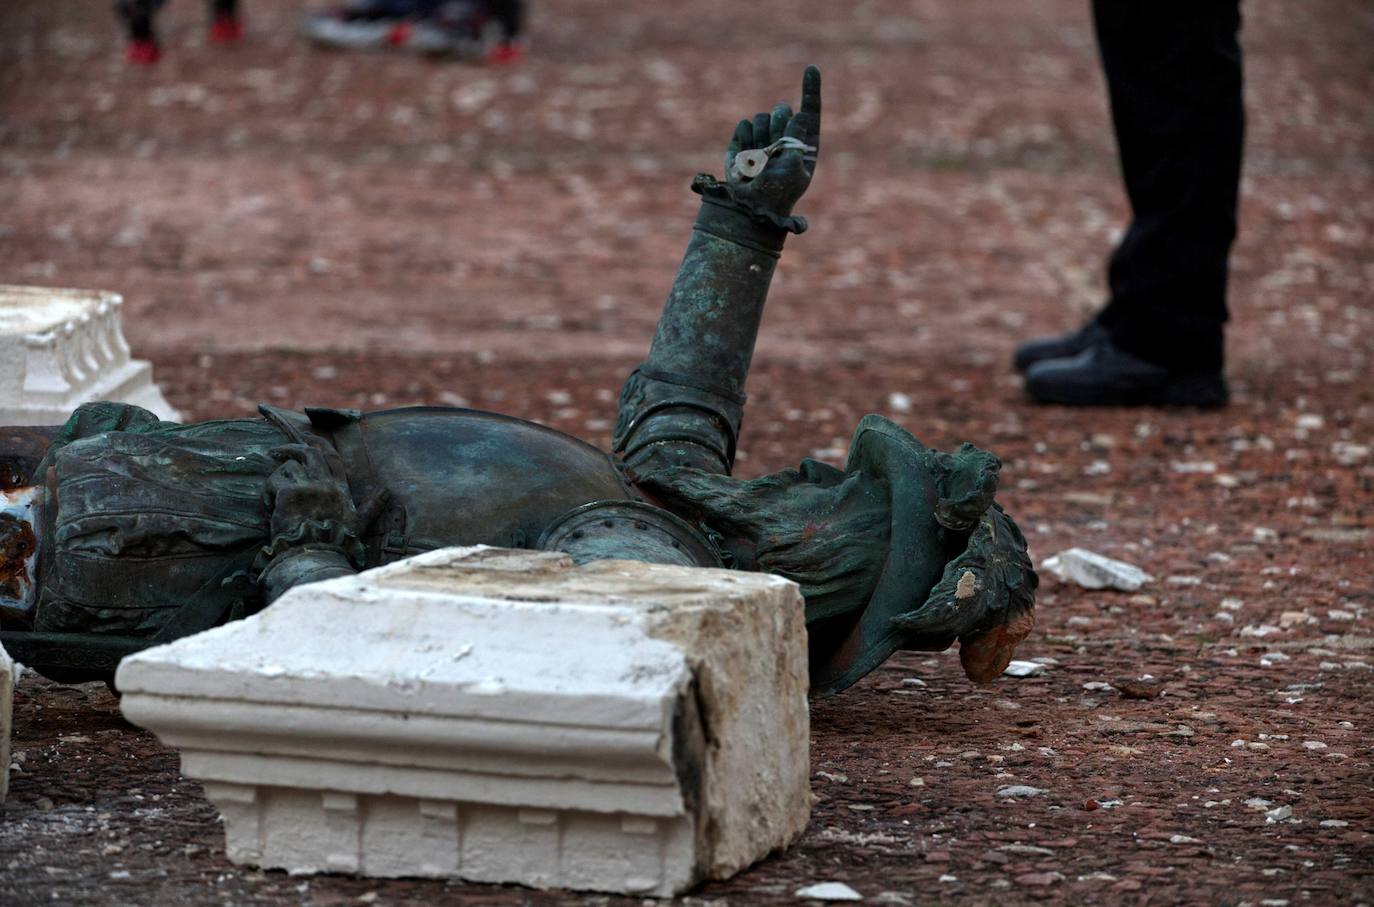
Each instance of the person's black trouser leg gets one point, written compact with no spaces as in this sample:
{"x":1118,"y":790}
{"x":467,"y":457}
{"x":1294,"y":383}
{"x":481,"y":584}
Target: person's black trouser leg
{"x":510,"y":14}
{"x":138,"y":17}
{"x":1173,"y":71}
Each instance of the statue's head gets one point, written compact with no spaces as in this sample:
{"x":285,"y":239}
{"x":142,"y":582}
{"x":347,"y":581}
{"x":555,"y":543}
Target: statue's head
{"x":873,"y":546}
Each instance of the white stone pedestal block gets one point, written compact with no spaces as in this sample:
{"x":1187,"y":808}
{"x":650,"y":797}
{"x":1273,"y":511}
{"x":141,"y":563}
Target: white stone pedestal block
{"x":499,"y":716}
{"x":62,"y":348}
{"x":8,"y":675}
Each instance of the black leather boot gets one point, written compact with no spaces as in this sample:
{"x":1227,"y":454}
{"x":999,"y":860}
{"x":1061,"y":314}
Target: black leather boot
{"x":1106,"y":375}
{"x":1057,"y":347}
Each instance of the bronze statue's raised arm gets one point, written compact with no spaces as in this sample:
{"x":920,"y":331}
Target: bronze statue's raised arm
{"x":683,"y":404}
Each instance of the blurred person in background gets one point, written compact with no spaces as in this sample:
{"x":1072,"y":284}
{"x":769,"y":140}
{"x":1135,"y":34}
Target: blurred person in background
{"x":471,"y":29}
{"x":143,"y":48}
{"x":1173,"y":71}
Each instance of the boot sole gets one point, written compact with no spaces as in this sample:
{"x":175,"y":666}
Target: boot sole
{"x":1200,"y":391}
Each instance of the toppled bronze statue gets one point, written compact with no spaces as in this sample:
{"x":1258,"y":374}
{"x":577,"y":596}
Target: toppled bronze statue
{"x":133,"y":531}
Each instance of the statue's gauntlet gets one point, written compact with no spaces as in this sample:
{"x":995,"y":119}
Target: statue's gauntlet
{"x":316,"y":532}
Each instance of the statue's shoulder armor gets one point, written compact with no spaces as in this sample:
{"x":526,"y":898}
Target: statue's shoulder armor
{"x":629,"y":530}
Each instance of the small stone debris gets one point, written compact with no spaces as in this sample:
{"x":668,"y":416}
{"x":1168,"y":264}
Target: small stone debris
{"x":1024,"y":669}
{"x":1313,"y":745}
{"x":916,"y":782}
{"x":829,"y":891}
{"x":1333,"y":823}
{"x":1026,"y":850}
{"x":1310,"y":422}
{"x":1098,"y":686}
{"x":833,"y":778}
{"x":1142,"y":687}
{"x":1348,"y":454}
{"x":1278,"y":814}
{"x":1269,"y":659}
{"x":1102,"y":803}
{"x":1019,"y":790}
{"x":1095,"y":571}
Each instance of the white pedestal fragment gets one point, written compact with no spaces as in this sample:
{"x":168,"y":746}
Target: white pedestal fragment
{"x":499,"y":716}
{"x":61,"y":348}
{"x":8,"y":675}
{"x":1095,"y":571}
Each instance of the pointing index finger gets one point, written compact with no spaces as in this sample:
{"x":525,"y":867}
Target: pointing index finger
{"x":811,"y":92}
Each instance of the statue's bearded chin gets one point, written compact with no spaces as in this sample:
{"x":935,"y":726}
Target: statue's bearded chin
{"x":817,"y":526}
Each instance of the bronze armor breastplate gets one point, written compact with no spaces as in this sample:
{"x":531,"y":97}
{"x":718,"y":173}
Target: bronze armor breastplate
{"x":465,"y":477}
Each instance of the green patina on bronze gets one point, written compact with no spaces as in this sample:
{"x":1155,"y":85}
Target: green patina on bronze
{"x":151,"y":530}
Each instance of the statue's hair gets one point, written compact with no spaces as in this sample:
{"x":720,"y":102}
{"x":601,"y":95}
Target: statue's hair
{"x":834,"y":555}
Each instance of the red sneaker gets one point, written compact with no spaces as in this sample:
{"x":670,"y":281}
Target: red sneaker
{"x":506,"y":53}
{"x":400,"y":33}
{"x":226,"y":30}
{"x":142,"y":52}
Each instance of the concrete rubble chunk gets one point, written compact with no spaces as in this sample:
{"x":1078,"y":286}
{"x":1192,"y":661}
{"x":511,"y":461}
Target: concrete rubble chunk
{"x":61,"y":348}
{"x":499,"y":716}
{"x":1024,"y":669}
{"x":9,"y":674}
{"x":1095,"y":571}
{"x":829,"y":891}
{"x":1019,"y":790}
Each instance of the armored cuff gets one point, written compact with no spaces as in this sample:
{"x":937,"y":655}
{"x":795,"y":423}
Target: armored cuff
{"x":299,"y":566}
{"x":737,"y":219}
{"x":657,"y":408}
{"x":309,"y":551}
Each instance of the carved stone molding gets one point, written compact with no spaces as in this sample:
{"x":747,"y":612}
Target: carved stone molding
{"x":61,"y":348}
{"x":499,"y":716}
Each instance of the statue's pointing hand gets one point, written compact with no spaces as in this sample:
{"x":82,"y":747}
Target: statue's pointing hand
{"x":771,"y":158}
